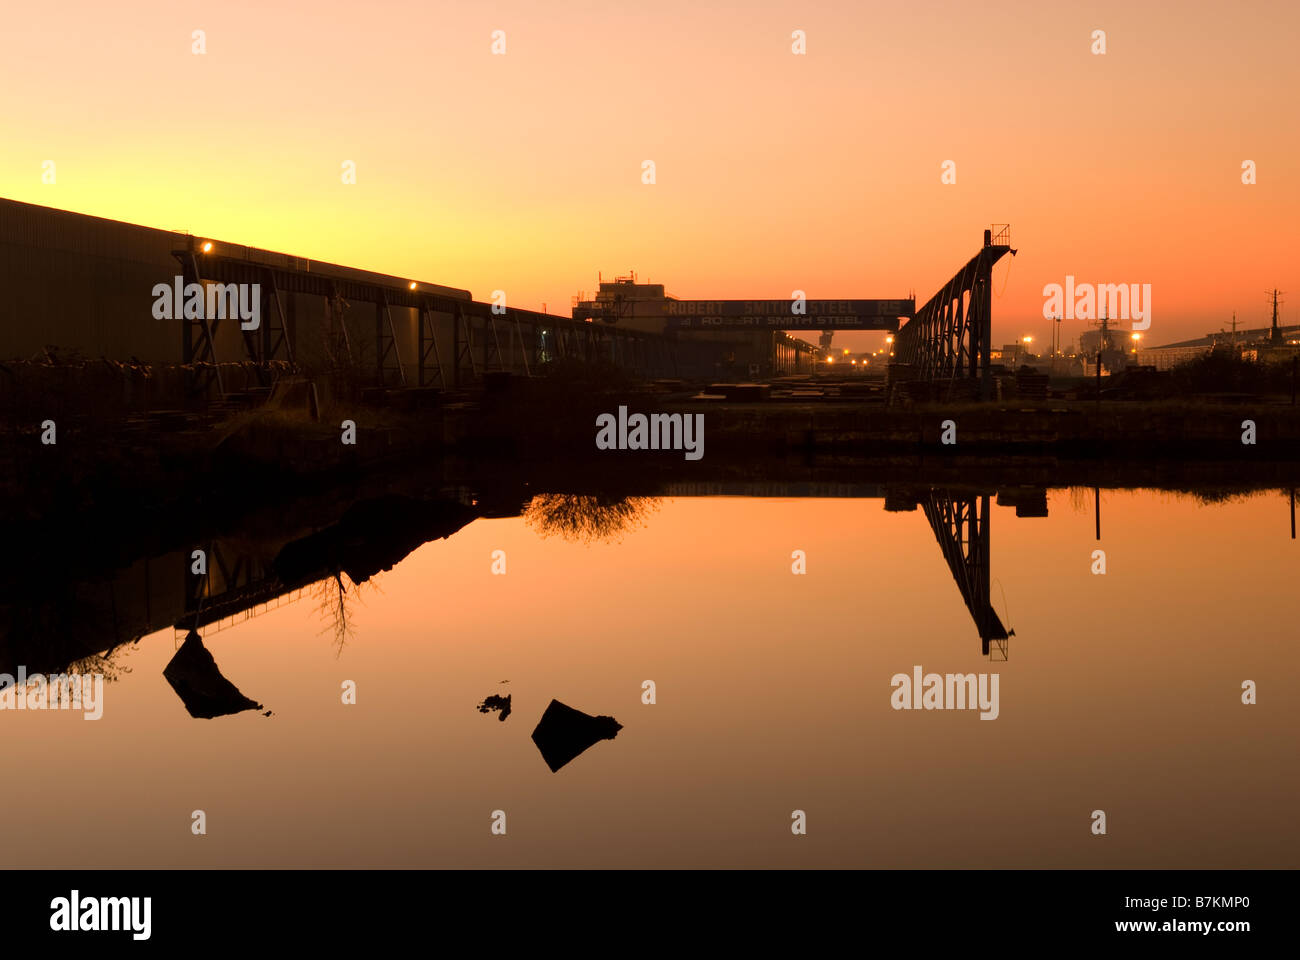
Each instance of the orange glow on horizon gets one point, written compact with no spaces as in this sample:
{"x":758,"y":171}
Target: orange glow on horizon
{"x":774,"y":171}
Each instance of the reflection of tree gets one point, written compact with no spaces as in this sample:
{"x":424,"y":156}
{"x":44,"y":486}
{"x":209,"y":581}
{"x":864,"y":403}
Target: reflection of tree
{"x":105,"y":664}
{"x":585,"y":519}
{"x":1081,"y":499}
{"x":1219,"y":496}
{"x":334,"y":606}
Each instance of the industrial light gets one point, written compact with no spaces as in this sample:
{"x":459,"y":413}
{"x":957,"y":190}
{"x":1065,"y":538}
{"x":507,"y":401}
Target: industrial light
{"x":1028,"y":339}
{"x":1137,"y":336}
{"x":412,"y":285}
{"x":207,"y":246}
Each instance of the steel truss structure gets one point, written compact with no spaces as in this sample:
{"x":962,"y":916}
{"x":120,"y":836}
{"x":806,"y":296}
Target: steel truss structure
{"x":960,"y":522}
{"x":949,"y":339}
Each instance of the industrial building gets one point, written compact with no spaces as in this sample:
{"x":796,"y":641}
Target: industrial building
{"x":83,"y":286}
{"x":1255,"y":344}
{"x":747,"y":337}
{"x":740,"y":351}
{"x":85,"y":289}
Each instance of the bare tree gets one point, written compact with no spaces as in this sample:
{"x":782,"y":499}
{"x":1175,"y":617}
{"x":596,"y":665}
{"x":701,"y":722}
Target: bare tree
{"x":335,"y":607}
{"x":107,"y":663}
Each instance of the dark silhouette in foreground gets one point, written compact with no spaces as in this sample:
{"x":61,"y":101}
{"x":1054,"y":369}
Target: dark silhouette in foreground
{"x":495,"y":702}
{"x":563,"y":733}
{"x":194,"y":676}
{"x":371,"y":536}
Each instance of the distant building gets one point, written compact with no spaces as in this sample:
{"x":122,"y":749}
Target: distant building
{"x":735,"y":352}
{"x":1089,"y":342}
{"x":1011,"y":355}
{"x":1111,"y":343}
{"x":1252,"y":343}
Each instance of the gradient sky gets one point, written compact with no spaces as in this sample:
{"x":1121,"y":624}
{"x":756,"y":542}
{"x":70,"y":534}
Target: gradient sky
{"x":774,"y":172}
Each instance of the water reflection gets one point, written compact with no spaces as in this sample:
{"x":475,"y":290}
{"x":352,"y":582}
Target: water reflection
{"x":85,"y":620}
{"x":563,"y":733}
{"x":586,"y":519}
{"x":497,"y":703}
{"x":773,"y":689}
{"x":961,"y":525}
{"x":193,"y":674}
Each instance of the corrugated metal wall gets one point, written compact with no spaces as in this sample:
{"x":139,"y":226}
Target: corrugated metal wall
{"x":84,"y":285}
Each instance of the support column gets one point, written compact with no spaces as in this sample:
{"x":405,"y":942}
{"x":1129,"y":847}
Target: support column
{"x":985,"y":293}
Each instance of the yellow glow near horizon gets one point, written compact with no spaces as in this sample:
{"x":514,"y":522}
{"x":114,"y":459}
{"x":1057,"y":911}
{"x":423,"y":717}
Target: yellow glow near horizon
{"x":507,"y":166}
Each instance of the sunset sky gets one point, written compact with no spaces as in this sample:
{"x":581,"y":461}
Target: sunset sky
{"x":774,"y":171}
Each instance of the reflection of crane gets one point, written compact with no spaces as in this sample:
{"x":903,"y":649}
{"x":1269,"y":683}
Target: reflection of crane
{"x":960,"y":523}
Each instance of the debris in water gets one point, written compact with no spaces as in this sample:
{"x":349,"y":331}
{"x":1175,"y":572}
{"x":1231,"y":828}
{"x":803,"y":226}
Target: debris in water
{"x":495,"y":702}
{"x":563,"y":733}
{"x":194,"y":676}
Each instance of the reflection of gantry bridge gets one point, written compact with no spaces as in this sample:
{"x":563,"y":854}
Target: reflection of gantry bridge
{"x":961,"y":525}
{"x":246,"y":585}
{"x":256,"y":567}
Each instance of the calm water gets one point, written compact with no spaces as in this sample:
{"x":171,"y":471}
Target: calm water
{"x":1121,"y":692}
